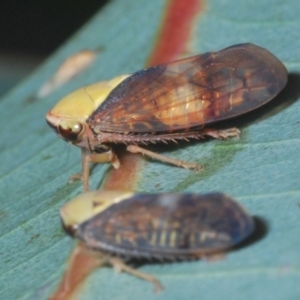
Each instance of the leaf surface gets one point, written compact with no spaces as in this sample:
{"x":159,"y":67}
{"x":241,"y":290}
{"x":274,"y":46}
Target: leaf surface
{"x":261,"y":169}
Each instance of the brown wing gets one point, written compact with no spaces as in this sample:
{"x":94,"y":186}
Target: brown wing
{"x":193,"y":91}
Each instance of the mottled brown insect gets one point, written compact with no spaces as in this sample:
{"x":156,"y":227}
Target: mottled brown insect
{"x":168,"y":102}
{"x":161,"y":226}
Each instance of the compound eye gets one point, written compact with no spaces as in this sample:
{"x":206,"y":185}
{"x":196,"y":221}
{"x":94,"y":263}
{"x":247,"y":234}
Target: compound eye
{"x":70,"y":130}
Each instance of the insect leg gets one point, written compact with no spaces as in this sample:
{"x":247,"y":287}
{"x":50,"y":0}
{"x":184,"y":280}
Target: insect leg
{"x":221,"y":134}
{"x":120,"y":266}
{"x":84,"y":176}
{"x":87,"y":158}
{"x":176,"y":162}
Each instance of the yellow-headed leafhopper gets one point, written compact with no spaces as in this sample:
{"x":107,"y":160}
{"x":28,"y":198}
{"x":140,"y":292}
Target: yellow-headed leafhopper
{"x":168,"y":102}
{"x":164,"y":226}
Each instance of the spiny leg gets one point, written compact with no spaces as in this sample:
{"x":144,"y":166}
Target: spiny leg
{"x":222,"y":133}
{"x":218,"y":134}
{"x":120,"y":266}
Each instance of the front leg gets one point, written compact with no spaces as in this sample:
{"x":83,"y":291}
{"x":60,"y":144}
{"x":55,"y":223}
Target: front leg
{"x":87,"y":158}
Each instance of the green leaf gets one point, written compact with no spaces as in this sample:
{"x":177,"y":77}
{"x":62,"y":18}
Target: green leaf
{"x":261,"y":170}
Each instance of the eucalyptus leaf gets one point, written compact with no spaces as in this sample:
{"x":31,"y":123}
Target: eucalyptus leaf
{"x":261,"y":169}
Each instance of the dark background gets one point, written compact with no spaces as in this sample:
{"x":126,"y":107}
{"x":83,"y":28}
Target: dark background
{"x":32,"y":30}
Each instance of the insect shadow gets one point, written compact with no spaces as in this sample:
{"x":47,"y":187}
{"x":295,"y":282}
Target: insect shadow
{"x":260,"y":231}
